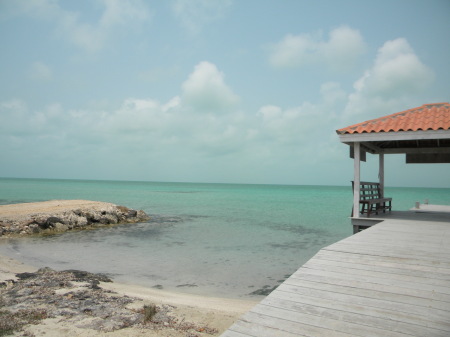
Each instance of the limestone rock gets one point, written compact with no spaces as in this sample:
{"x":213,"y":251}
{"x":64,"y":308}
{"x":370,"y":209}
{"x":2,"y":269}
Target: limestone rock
{"x":65,"y":215}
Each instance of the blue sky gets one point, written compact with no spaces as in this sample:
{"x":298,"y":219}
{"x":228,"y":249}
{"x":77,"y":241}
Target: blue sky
{"x":213,"y":91}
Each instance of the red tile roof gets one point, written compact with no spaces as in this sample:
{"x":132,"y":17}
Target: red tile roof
{"x":434,"y":116}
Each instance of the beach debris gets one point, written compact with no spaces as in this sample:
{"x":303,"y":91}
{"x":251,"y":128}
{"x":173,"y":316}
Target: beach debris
{"x":149,"y":312}
{"x":77,"y":297}
{"x":13,"y":321}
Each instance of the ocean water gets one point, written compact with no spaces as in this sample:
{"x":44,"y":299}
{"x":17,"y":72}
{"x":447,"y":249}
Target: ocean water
{"x":225,"y":240}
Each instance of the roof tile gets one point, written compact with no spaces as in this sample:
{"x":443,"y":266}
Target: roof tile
{"x":434,"y":116}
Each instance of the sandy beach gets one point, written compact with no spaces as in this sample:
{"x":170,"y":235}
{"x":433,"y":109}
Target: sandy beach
{"x":215,"y":314}
{"x":186,"y":314}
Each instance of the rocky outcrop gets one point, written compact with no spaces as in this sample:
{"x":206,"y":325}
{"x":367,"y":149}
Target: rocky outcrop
{"x":60,"y":219}
{"x":77,"y":298}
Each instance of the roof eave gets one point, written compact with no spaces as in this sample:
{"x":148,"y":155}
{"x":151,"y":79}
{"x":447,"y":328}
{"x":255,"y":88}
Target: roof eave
{"x":389,"y":136}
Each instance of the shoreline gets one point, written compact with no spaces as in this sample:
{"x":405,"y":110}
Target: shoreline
{"x":182,"y":314}
{"x":208,"y":316}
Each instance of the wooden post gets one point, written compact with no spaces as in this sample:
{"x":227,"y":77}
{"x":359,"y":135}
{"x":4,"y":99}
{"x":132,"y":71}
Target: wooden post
{"x":357,"y":179}
{"x":381,"y":173}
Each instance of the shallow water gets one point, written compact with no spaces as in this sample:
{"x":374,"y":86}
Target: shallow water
{"x":213,"y":239}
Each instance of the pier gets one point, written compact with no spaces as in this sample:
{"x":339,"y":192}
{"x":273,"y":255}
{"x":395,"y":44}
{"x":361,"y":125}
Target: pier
{"x":392,"y":279}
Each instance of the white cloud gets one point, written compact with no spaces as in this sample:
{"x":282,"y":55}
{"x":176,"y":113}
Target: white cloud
{"x":332,"y":93}
{"x":393,"y":82}
{"x":186,"y":130}
{"x":138,"y":125}
{"x":343,"y":48}
{"x":195,"y":14}
{"x":120,"y":12}
{"x":91,"y":37}
{"x":18,"y":119}
{"x":293,"y":51}
{"x":175,"y":127}
{"x":205,"y":90}
{"x":142,"y":116}
{"x":40,"y":71}
{"x":292,"y":126}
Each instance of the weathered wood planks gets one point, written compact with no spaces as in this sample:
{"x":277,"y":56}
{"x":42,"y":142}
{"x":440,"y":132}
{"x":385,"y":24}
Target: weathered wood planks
{"x":390,"y":280}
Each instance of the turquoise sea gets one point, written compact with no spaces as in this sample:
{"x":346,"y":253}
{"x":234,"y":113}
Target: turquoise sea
{"x":213,"y":239}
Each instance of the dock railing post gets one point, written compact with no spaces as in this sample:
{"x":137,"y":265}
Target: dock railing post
{"x":381,"y":174}
{"x":357,"y":178}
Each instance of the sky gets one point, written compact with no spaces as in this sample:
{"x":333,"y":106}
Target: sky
{"x":225,"y":91}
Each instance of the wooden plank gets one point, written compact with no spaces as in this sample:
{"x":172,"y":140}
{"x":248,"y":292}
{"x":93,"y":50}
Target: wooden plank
{"x":373,"y":236}
{"x":395,"y":228}
{"x":357,"y":269}
{"x":390,"y":280}
{"x":249,"y":327}
{"x":348,"y":312}
{"x":415,"y":222}
{"x":440,"y":316}
{"x":231,"y":333}
{"x":381,"y":297}
{"x":363,"y":261}
{"x":357,"y":251}
{"x":406,"y":262}
{"x":410,"y":226}
{"x":333,"y":326}
{"x":410,"y":239}
{"x":405,"y":281}
{"x":410,"y":288}
{"x":415,"y":252}
{"x":429,"y":228}
{"x":279,"y":326}
{"x":382,"y":264}
{"x":427,"y":257}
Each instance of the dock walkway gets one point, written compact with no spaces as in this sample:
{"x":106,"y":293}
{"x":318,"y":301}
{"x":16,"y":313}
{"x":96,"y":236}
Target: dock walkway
{"x":392,"y":279}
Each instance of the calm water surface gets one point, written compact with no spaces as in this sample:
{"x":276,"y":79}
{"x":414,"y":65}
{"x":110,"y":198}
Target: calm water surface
{"x":213,"y":239}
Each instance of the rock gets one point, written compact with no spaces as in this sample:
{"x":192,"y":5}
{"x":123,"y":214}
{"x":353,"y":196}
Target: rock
{"x":99,"y":214}
{"x":45,"y":270}
{"x":132,"y":213}
{"x":142,"y":215}
{"x":81,"y":222}
{"x":24,"y":276}
{"x":59,"y":227}
{"x":84,"y":276}
{"x":123,"y":209}
{"x":51,"y":221}
{"x":74,"y":297}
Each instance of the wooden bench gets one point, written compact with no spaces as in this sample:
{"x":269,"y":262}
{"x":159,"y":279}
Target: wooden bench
{"x":371,"y":198}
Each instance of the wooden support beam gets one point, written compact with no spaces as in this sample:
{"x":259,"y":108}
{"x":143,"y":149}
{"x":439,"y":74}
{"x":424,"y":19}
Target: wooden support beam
{"x":427,"y":158}
{"x":402,"y":150}
{"x":381,"y":173}
{"x":362,"y":153}
{"x":357,"y":179}
{"x":372,"y":148}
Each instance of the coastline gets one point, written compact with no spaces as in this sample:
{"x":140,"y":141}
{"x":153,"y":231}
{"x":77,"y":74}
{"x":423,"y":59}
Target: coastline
{"x":195,"y":315}
{"x":182,"y":314}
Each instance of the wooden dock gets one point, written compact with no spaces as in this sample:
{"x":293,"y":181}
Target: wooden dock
{"x":392,"y":279}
